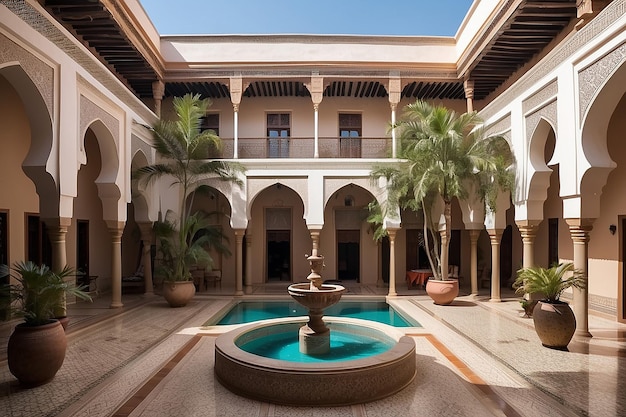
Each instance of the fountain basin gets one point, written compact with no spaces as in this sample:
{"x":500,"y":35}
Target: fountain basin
{"x":319,"y":383}
{"x":326,"y":296}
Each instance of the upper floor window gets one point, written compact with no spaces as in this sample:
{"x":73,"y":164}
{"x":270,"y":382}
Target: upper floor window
{"x":350,"y":131}
{"x":278,"y":133}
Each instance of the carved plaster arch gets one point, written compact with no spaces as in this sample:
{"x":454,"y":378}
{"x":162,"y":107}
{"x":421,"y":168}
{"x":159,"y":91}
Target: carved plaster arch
{"x":605,"y":85}
{"x":39,"y":164}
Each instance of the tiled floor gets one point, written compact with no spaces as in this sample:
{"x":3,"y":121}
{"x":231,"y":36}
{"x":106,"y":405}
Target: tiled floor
{"x":474,"y":358}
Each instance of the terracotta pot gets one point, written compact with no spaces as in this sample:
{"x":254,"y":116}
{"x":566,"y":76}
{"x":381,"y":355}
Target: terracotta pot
{"x":555,"y":323}
{"x":442,"y":292}
{"x":178,"y":293}
{"x":36,"y":353}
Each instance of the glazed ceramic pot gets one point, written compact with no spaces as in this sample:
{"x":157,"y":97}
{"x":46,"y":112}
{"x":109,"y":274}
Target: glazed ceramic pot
{"x":36,"y":353}
{"x":442,"y":292}
{"x":178,"y":293}
{"x":555,"y":323}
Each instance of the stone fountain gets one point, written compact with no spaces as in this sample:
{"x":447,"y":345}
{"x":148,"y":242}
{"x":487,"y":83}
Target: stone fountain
{"x":323,"y":383}
{"x":314,"y":337}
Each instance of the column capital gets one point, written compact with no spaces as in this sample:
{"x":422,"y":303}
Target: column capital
{"x":394,"y":90}
{"x":316,"y":87}
{"x":468,"y":87}
{"x":579,"y":229}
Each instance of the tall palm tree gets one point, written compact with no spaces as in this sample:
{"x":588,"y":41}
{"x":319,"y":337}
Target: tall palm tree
{"x":184,"y":148}
{"x":445,"y":155}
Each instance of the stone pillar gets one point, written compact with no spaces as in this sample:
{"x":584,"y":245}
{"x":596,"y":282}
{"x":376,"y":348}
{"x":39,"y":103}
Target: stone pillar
{"x":579,"y":230}
{"x":145,"y":229}
{"x":474,"y":234}
{"x":468,"y":86}
{"x":394,"y":89}
{"x":392,"y":262}
{"x":495,"y":235}
{"x":316,"y":88}
{"x":248,"y":288}
{"x":116,"y":229}
{"x":158,"y":90}
{"x":236,"y":91}
{"x":239,"y":233}
{"x":57,"y":231}
{"x":528,"y":232}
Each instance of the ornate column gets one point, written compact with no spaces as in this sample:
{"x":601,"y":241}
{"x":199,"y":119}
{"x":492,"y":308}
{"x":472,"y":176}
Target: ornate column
{"x":248,"y":288}
{"x":116,"y":229}
{"x":392,"y":262}
{"x":528,"y":230}
{"x":494,"y":236}
{"x":474,"y":234}
{"x":316,"y":88}
{"x":394,"y":89}
{"x":579,"y":230}
{"x":468,"y":86}
{"x":145,"y":229}
{"x":236,"y":91}
{"x":158,"y":90}
{"x":239,"y":233}
{"x":57,"y":230}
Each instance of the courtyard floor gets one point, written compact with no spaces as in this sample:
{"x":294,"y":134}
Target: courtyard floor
{"x":474,"y":358}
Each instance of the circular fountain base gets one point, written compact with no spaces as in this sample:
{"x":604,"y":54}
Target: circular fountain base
{"x":314,"y":384}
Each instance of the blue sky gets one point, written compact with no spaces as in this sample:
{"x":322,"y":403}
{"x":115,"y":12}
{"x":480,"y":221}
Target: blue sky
{"x":353,"y":17}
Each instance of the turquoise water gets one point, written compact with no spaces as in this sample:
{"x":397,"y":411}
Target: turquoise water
{"x":343,"y":347}
{"x":379,"y":311}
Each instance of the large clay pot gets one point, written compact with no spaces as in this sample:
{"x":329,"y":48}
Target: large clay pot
{"x":442,"y":292}
{"x":178,"y":293}
{"x":36,"y":353}
{"x":555,"y":324}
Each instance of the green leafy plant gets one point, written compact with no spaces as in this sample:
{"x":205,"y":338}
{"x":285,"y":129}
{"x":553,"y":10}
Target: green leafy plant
{"x":551,"y":282}
{"x":444,"y":155}
{"x":39,"y":291}
{"x":184,"y":149}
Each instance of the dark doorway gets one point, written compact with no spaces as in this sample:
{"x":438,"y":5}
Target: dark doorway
{"x":506,"y":256}
{"x":348,"y":254}
{"x":279,"y":255}
{"x":385,"y":258}
{"x":416,"y":256}
{"x":38,"y":247}
{"x":82,"y":251}
{"x":622,"y":294}
{"x":4,"y":260}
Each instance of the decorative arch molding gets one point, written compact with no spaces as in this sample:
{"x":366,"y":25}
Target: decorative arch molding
{"x":501,"y":127}
{"x":332,"y":185}
{"x":89,"y":112}
{"x":139,"y":145}
{"x":547,"y":113}
{"x":41,"y":75}
{"x":594,"y":77}
{"x":541,"y":98}
{"x":258,"y":184}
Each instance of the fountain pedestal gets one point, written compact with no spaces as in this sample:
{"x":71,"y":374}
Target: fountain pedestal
{"x":314,"y":337}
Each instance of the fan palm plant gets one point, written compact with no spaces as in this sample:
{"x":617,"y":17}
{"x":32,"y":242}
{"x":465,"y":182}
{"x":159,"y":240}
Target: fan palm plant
{"x":183,"y":148}
{"x":39,"y":291}
{"x":551,"y":282}
{"x":444,"y":155}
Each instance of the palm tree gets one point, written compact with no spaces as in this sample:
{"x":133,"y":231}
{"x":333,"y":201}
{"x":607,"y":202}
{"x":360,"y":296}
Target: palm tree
{"x":184,"y":148}
{"x":445,"y":155}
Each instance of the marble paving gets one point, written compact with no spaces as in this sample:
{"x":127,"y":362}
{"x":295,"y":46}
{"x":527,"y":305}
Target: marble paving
{"x":474,"y":358}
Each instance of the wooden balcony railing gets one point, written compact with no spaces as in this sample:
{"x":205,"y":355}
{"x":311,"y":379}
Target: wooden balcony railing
{"x":257,"y":148}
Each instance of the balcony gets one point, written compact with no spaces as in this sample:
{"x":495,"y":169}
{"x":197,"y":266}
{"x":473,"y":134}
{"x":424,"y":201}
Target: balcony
{"x":329,"y":147}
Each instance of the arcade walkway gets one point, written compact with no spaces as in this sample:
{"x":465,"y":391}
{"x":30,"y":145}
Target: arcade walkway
{"x":474,"y":358}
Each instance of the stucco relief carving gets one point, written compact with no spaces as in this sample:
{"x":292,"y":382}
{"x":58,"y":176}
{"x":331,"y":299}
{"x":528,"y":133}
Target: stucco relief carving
{"x":558,"y":56}
{"x":41,"y":24}
{"x":501,"y":127}
{"x":41,"y":74}
{"x":592,"y":78}
{"x":547,"y":112}
{"x":89,"y":112}
{"x":543,"y":95}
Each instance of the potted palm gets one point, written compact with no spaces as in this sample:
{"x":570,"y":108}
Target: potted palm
{"x":183,"y":148}
{"x":444,"y":155}
{"x":36,"y":348}
{"x":554,"y":320}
